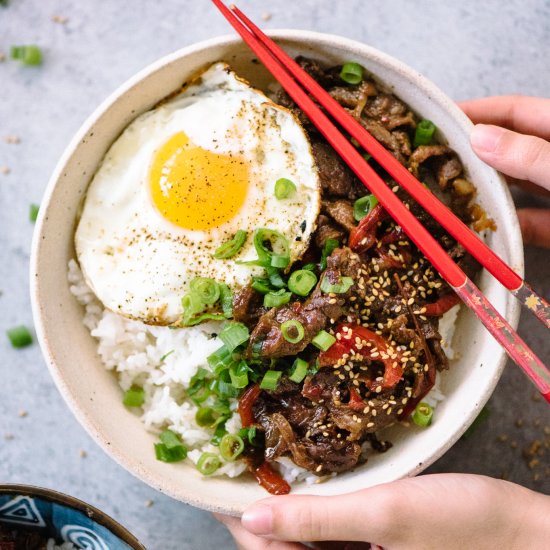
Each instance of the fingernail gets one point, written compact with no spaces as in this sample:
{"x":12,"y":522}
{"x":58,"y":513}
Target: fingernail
{"x":485,"y":137}
{"x":258,"y":520}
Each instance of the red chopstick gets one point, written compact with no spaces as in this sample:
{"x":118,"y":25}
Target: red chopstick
{"x":528,"y":298}
{"x":457,"y":279}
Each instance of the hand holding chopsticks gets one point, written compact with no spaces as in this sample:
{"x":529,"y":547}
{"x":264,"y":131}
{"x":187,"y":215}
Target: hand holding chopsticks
{"x":285,"y":71}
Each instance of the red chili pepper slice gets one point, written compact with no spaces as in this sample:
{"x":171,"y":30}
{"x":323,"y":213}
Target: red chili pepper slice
{"x":270,"y":480}
{"x":355,"y":401}
{"x":245,"y":405}
{"x":393,"y":370}
{"x":364,"y":235}
{"x":441,"y":306}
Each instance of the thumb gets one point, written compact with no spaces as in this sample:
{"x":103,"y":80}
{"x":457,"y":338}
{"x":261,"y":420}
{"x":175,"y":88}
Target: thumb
{"x":522,"y":157}
{"x":314,"y":518}
{"x":535,"y":226}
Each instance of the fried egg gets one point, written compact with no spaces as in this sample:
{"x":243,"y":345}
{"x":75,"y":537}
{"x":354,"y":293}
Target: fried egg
{"x":179,"y":182}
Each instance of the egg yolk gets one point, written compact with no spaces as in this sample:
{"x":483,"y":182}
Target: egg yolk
{"x":195,"y":188}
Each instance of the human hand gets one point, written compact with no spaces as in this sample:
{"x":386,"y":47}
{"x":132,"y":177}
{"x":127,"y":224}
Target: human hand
{"x":450,"y":511}
{"x":512,"y":134}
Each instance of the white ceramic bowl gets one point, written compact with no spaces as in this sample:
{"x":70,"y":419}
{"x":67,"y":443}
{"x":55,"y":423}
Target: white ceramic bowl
{"x":93,"y":394}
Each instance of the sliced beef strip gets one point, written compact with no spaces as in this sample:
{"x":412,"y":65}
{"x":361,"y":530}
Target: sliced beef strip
{"x":341,"y":211}
{"x":325,"y":77}
{"x":332,"y":454}
{"x":266,"y":340}
{"x":390,"y":111}
{"x":248,"y":306}
{"x":384,"y":136}
{"x":326,"y":230}
{"x":335,"y":177}
{"x":449,"y":169}
{"x":354,"y":96}
{"x":424,"y":152}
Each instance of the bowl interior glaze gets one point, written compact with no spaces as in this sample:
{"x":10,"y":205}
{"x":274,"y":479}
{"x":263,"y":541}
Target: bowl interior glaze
{"x":93,"y":394}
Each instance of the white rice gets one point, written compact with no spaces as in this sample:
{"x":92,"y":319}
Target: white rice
{"x":133,"y":350}
{"x":163,"y":361}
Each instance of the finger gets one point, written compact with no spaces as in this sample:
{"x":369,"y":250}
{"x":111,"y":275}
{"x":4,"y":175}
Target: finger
{"x":247,"y":541}
{"x":518,"y":156}
{"x":398,"y":515}
{"x":313,"y":518}
{"x":535,"y":226}
{"x":524,"y":114}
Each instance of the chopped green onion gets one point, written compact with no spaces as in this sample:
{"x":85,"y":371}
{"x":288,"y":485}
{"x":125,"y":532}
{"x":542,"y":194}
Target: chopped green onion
{"x":270,"y":379}
{"x":330,"y":245}
{"x":33,"y":212}
{"x":170,"y":439}
{"x":198,"y":379}
{"x":367,"y":156}
{"x":284,"y":188}
{"x":323,"y":340}
{"x":231,"y":446}
{"x":226,"y":298}
{"x":270,"y":244}
{"x":200,"y":395}
{"x":309,"y":267}
{"x":134,"y":397}
{"x":250,"y":434}
{"x":424,"y":133}
{"x":19,"y":336}
{"x":292,"y":331}
{"x":298,"y":371}
{"x":239,"y":374}
{"x":279,"y":261}
{"x":226,"y":389}
{"x":230,"y":248}
{"x":275,"y":277}
{"x":276,"y":299}
{"x":261,"y":285}
{"x":338,"y":288}
{"x":164,"y":454}
{"x":219,"y":432}
{"x":351,"y":73}
{"x":206,"y":317}
{"x":363,"y":206}
{"x":206,"y":289}
{"x":422,"y":415}
{"x":166,"y":355}
{"x":208,"y":463}
{"x":28,"y":55}
{"x":205,"y":416}
{"x":192,"y":305}
{"x":233,"y":335}
{"x":220,"y":359}
{"x":302,"y":281}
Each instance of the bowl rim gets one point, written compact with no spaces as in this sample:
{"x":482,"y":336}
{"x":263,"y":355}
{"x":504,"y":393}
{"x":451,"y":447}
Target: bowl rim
{"x":97,"y":515}
{"x":322,"y":40}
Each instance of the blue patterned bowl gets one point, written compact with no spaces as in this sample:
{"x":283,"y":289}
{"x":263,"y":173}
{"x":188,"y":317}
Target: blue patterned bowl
{"x":63,"y":518}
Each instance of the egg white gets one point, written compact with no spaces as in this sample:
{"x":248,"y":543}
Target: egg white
{"x":138,"y":263}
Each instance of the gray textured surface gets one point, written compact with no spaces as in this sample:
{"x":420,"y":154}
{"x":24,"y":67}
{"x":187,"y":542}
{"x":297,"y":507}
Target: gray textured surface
{"x":468,"y":48}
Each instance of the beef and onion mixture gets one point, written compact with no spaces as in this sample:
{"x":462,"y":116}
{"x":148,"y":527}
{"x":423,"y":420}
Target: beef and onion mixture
{"x":328,"y":352}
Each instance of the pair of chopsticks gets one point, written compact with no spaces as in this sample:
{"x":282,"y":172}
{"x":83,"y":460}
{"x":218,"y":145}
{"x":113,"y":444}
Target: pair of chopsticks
{"x":288,"y":73}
